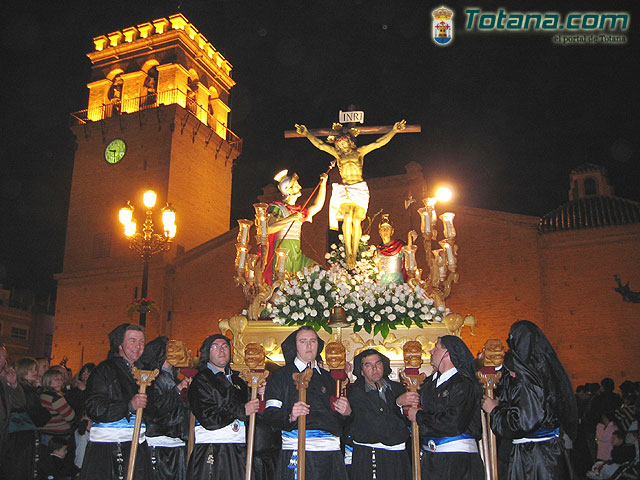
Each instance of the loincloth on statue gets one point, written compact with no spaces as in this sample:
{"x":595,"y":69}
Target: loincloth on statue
{"x":356,"y":194}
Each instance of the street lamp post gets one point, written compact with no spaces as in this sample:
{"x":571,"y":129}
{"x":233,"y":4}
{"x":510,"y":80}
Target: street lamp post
{"x":147,"y":243}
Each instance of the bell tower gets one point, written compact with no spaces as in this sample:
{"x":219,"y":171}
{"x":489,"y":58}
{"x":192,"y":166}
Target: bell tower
{"x":157,"y":118}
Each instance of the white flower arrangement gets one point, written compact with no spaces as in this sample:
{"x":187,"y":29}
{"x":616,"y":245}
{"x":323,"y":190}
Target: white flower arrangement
{"x":369,"y":304}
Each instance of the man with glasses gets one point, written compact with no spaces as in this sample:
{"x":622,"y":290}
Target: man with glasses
{"x":219,"y":399}
{"x":449,"y":418}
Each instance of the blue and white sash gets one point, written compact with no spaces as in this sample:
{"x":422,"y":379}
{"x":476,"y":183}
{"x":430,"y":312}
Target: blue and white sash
{"x":315,"y":441}
{"x":115,"y":432}
{"x":381,"y":446}
{"x":164,"y":441}
{"x":464,"y":443}
{"x":232,"y":433}
{"x":540,"y":435}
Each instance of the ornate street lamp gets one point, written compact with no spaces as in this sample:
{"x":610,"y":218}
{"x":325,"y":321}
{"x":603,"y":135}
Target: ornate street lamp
{"x":147,"y":243}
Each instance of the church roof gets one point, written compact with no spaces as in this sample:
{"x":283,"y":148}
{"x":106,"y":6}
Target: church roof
{"x":590,"y":212}
{"x":589,"y":167}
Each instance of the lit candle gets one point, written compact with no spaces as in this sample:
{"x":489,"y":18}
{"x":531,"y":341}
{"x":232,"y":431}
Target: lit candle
{"x":441,"y":265}
{"x":281,"y":262}
{"x":244,"y":227}
{"x":447,"y":221}
{"x":409,"y":252}
{"x":252,"y":259}
{"x":451,"y":256}
{"x":261,"y":220}
{"x":425,"y":221}
{"x":241,"y":257}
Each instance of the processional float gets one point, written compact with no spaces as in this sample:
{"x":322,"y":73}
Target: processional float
{"x":340,"y":295}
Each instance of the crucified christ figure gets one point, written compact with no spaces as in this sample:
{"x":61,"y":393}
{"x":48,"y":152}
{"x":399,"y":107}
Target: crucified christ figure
{"x":350,"y":199}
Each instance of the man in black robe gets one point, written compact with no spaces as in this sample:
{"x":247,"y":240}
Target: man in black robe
{"x":536,"y":400}
{"x":219,"y":399}
{"x":166,"y":415}
{"x":449,"y":418}
{"x":378,"y":430}
{"x":324,"y":423}
{"x":112,"y":400}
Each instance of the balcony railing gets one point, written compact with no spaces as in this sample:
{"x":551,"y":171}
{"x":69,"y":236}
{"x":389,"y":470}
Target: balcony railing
{"x":146,"y":102}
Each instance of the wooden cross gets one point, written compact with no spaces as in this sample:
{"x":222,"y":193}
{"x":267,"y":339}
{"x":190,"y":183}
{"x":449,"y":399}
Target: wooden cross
{"x":369,"y":130}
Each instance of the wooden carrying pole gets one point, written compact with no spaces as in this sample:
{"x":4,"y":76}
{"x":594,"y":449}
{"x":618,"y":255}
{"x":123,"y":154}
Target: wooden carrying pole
{"x":190,"y":372}
{"x":191,"y":440}
{"x":412,"y":379}
{"x":143,"y":379}
{"x":255,"y":359}
{"x":489,"y":362}
{"x":302,"y":383}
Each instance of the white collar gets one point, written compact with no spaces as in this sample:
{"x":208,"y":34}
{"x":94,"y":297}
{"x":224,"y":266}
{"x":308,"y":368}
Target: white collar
{"x":443,"y":377}
{"x":300,"y":365}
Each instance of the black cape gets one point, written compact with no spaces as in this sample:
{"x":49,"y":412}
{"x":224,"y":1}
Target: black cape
{"x":450,"y":410}
{"x":539,"y":397}
{"x":216,"y":403}
{"x":110,"y":388}
{"x":373,"y":421}
{"x":166,"y":414}
{"x":319,"y":465}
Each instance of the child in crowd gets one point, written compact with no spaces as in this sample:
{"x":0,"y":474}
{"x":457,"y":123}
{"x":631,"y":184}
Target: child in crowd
{"x":621,"y":453}
{"x":53,"y":466}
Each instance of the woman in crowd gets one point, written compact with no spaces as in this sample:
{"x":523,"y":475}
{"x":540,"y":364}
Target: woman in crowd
{"x":62,"y":415}
{"x":77,"y":395}
{"x":27,"y":414}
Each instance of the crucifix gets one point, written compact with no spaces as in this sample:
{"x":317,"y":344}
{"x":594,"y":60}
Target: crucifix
{"x":349,"y":199}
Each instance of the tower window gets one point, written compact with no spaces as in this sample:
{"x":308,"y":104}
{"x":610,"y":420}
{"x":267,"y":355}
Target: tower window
{"x":590,"y":186}
{"x":19,"y":333}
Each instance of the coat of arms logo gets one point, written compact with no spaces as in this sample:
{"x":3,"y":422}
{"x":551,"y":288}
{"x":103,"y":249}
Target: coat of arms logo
{"x":442,"y":30}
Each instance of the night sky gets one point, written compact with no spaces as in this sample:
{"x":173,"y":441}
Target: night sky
{"x":505,"y":117}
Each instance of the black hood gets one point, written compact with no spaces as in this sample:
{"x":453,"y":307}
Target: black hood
{"x":289,"y":349}
{"x":206,"y":345}
{"x":534,"y":360}
{"x":154,"y":355}
{"x":460,"y":356}
{"x":357,"y":363}
{"x":116,"y":337}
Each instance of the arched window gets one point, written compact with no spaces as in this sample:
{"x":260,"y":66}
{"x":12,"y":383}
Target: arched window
{"x":150,"y":87}
{"x":192,"y":92}
{"x":114,"y":95}
{"x":590,"y":186}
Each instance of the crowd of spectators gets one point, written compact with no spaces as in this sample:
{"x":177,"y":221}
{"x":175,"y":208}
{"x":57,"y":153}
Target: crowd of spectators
{"x":606,"y":446}
{"x":43,"y":423}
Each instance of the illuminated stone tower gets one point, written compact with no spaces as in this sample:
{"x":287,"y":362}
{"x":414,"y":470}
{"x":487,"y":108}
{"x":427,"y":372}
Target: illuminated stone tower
{"x":157,"y":118}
